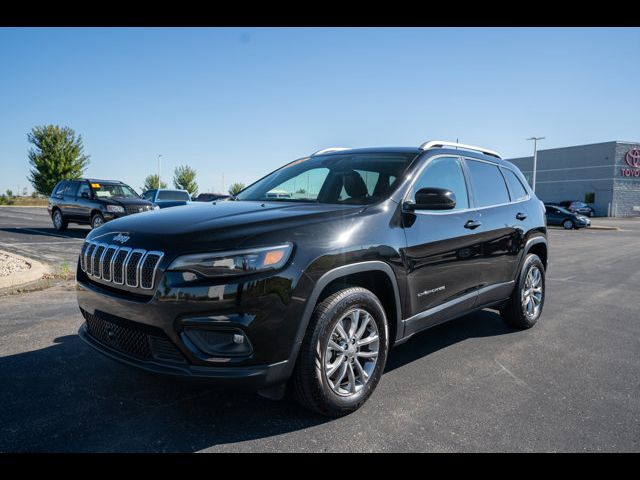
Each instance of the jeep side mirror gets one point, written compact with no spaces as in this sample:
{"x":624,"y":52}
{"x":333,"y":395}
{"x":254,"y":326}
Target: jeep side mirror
{"x":433,"y":199}
{"x":84,"y":195}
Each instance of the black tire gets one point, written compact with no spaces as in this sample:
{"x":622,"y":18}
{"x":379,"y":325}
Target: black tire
{"x":59,"y":222}
{"x":513,"y":312}
{"x":568,"y":224}
{"x":309,"y":383}
{"x":97,"y":220}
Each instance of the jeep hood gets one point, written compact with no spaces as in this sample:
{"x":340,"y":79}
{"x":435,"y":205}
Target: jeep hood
{"x":192,"y":226}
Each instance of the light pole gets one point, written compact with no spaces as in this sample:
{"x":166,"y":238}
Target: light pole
{"x":159,"y":157}
{"x":535,"y":159}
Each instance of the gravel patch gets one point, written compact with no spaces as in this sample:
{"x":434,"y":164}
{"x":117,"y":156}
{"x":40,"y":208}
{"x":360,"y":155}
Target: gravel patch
{"x":10,"y":265}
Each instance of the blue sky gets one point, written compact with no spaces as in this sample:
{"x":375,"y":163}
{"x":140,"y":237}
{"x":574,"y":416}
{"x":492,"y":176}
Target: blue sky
{"x":240,"y":102}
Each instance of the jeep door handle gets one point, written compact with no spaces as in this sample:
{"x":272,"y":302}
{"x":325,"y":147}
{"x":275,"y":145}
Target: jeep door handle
{"x":471,"y":224}
{"x":521,"y":216}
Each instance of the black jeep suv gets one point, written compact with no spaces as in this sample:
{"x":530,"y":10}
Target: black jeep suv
{"x":311,"y":289}
{"x":93,"y":202}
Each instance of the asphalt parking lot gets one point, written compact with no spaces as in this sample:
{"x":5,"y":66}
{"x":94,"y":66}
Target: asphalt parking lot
{"x":28,"y":231}
{"x":572,"y":383}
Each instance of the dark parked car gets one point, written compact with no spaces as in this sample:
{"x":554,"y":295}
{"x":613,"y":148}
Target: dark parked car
{"x":576,"y":206}
{"x":211,"y":197}
{"x":93,"y":201}
{"x":372,"y":246}
{"x":167,"y":198}
{"x":557,"y":215}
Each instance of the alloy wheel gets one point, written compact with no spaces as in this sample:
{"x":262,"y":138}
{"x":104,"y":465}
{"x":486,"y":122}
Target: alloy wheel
{"x":532,"y":293}
{"x":352,"y":352}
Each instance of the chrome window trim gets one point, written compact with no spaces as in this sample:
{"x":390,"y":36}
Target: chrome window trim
{"x":137,"y":268}
{"x":451,"y":212}
{"x":104,"y":254}
{"x":124,"y":263}
{"x":155,"y":268}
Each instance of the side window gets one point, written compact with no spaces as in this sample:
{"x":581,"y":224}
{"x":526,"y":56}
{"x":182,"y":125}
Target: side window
{"x":72,"y":189}
{"x":149,"y":195}
{"x":59,"y":190}
{"x":84,"y":188}
{"x":444,"y":172}
{"x":518,"y":192}
{"x":488,"y":184}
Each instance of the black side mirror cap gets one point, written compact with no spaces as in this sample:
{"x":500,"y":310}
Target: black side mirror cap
{"x":434,"y":199}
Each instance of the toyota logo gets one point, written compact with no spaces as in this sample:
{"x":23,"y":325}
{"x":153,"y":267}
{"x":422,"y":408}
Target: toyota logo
{"x":633,"y":157}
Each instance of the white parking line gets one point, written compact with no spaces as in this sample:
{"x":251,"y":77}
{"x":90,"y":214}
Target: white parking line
{"x":44,"y":233}
{"x":71,"y":240}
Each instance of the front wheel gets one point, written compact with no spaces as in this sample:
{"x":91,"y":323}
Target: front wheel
{"x":568,"y":225}
{"x":525,"y":305}
{"x":59,"y":223}
{"x":343,"y":354}
{"x":97,"y":220}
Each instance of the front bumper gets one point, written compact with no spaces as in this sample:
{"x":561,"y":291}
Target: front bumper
{"x":250,"y":377}
{"x":258,"y":309}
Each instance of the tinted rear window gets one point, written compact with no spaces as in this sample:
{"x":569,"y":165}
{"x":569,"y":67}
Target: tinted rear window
{"x":488,"y":184}
{"x":518,"y":192}
{"x":173,"y":195}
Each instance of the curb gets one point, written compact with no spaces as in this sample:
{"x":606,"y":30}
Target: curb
{"x":599,"y":227}
{"x":23,"y":206}
{"x":36,"y":272}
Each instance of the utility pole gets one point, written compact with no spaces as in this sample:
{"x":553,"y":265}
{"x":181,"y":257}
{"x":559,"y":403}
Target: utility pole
{"x":159,"y":157}
{"x":535,"y":159}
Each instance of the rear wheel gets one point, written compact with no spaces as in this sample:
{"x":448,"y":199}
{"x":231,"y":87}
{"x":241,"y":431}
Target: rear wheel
{"x":97,"y":220}
{"x":343,"y":354}
{"x":59,"y":222}
{"x":568,"y":224}
{"x":525,"y":305}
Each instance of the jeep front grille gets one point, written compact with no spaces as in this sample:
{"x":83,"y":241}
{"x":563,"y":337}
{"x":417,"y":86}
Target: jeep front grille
{"x":134,"y":268}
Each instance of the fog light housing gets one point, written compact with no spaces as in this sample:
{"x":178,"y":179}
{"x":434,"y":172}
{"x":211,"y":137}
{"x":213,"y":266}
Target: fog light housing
{"x":220,"y":343}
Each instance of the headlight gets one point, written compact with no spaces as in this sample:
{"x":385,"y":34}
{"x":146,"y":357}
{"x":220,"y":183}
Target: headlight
{"x":237,"y":262}
{"x":155,"y":207}
{"x":115,"y":209}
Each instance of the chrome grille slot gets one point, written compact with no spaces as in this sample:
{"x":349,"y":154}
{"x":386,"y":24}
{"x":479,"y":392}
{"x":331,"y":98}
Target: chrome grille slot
{"x":148,"y":267}
{"x":106,"y":262}
{"x":126,"y":268}
{"x":82,"y":257}
{"x":95,"y":260}
{"x":132,"y":267}
{"x":117,"y":266}
{"x":88,"y":259}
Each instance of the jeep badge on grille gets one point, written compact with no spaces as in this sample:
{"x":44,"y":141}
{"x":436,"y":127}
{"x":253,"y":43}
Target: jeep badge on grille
{"x":121,"y":237}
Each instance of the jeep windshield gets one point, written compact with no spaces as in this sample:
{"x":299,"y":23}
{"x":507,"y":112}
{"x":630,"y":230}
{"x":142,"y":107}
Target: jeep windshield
{"x":108,"y":190}
{"x":354,"y":179}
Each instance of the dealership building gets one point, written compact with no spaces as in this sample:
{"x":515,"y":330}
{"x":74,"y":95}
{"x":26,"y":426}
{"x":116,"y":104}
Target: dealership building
{"x":604,"y":174}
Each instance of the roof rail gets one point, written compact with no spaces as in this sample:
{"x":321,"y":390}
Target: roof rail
{"x":330,"y":149}
{"x":438,"y":143}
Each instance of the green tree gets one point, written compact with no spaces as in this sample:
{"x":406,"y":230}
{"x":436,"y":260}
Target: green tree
{"x":184,"y":177}
{"x":57,"y":154}
{"x":153,"y":181}
{"x":235,"y":188}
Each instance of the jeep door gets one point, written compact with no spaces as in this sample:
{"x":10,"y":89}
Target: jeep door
{"x":442,"y":256}
{"x":502,"y":235}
